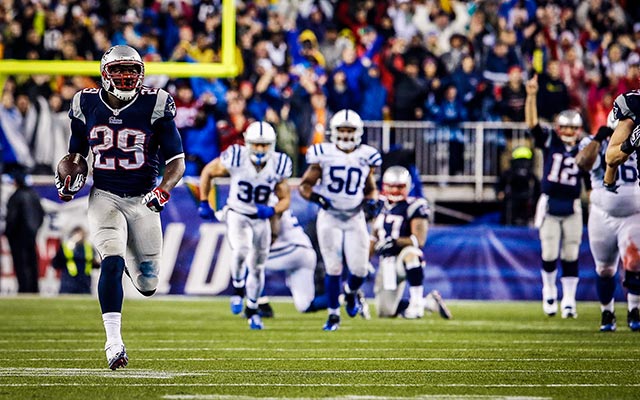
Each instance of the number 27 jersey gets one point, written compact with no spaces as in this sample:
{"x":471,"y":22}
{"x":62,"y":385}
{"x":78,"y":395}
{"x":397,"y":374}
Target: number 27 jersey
{"x":343,"y":174}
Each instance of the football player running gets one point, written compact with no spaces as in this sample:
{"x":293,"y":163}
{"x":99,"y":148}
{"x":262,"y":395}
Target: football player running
{"x":256,"y":171}
{"x":346,"y":191}
{"x":399,"y":234}
{"x":624,"y":144}
{"x":559,"y":211}
{"x":614,"y":219}
{"x":127,"y":127}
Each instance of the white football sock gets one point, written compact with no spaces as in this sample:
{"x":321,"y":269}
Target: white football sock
{"x":112,"y":323}
{"x":608,"y":307}
{"x":416,"y":293}
{"x":633,"y":301}
{"x":569,"y":287}
{"x":549,"y":289}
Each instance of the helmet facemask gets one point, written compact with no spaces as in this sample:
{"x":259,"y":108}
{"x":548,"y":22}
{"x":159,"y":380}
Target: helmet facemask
{"x":122,"y":72}
{"x":569,"y":123}
{"x":260,"y":138}
{"x":346,"y":130}
{"x":346,"y":138}
{"x":396,"y":184}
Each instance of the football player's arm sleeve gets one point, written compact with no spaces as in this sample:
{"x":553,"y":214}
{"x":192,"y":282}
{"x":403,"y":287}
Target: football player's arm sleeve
{"x":370,"y":188}
{"x":78,"y":142}
{"x":169,"y":139}
{"x":539,"y":136}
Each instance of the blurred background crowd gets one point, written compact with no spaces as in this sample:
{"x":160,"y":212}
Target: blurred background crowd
{"x":445,"y":61}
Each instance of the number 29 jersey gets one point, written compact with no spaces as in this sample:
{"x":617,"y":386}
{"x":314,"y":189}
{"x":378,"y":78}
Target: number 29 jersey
{"x":125,"y":141}
{"x":248,"y":185}
{"x":343,"y":174}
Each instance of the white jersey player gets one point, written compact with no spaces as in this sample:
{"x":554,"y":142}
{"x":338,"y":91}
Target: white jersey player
{"x":256,"y":171}
{"x":293,"y":253}
{"x":345,"y":170}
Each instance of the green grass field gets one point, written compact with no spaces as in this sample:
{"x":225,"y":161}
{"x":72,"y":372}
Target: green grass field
{"x":180,"y":348}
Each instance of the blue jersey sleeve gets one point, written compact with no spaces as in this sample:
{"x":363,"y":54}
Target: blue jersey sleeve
{"x":169,"y":139}
{"x":78,"y":142}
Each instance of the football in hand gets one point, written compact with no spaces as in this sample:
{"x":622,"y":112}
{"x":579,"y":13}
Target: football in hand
{"x":73,"y":164}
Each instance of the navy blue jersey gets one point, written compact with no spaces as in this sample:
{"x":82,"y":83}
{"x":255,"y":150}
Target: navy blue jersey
{"x":395,"y":220}
{"x":560,"y":174}
{"x":125,"y":142}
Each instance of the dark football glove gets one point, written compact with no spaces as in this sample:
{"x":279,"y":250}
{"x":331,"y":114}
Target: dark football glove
{"x":68,"y":189}
{"x":372,"y":208}
{"x":611,"y":187}
{"x":384,"y":246}
{"x":205,"y":211}
{"x":156,"y":199}
{"x":265,"y":212}
{"x":323,"y":201}
{"x":603,"y":133}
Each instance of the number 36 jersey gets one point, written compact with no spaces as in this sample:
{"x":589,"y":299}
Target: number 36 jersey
{"x":343,"y":174}
{"x":248,"y":185}
{"x":125,"y":141}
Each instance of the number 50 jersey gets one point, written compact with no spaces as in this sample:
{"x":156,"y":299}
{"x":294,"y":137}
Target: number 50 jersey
{"x":125,"y":141}
{"x":343,"y":174}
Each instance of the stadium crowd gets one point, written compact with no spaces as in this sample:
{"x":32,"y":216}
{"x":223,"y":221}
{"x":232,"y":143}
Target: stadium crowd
{"x":300,"y":61}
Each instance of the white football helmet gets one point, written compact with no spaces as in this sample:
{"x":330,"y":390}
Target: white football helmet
{"x":396,"y":183}
{"x":122,"y":72}
{"x":569,"y":123}
{"x":350,"y":119}
{"x":260,"y":133}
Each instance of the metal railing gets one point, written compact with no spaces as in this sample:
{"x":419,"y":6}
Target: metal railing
{"x":470,"y":155}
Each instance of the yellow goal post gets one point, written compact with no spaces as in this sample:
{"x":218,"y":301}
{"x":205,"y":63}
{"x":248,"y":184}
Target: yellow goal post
{"x":226,"y":68}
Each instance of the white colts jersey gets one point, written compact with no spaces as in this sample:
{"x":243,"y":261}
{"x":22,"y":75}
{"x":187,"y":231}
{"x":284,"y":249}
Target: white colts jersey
{"x":627,"y":201}
{"x":248,"y":185}
{"x":343,"y":174}
{"x":291,"y":233}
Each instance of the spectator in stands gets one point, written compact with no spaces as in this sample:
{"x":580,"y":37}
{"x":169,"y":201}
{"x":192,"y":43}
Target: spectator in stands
{"x":76,"y":259}
{"x":286,"y":135}
{"x":553,"y":95}
{"x":200,"y":142}
{"x":374,"y":96}
{"x":471,"y":87}
{"x":499,"y":60}
{"x":231,"y":128}
{"x":24,"y":218}
{"x":409,"y":91}
{"x":512,"y":97}
{"x":448,"y":114}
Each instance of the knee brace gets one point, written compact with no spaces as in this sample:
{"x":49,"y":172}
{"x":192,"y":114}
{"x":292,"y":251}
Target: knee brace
{"x":549,"y":266}
{"x":632,"y":281}
{"x":569,"y":268}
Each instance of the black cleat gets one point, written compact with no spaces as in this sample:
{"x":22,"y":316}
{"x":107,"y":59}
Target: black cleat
{"x":633,"y":319}
{"x":265,"y":310}
{"x":608,"y":322}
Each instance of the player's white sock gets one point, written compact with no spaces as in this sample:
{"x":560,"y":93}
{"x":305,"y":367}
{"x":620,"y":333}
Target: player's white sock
{"x":416,"y":293}
{"x":608,"y":307}
{"x":569,"y":287}
{"x":549,"y":289}
{"x":633,"y":301}
{"x":112,"y":323}
{"x":334,"y":311}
